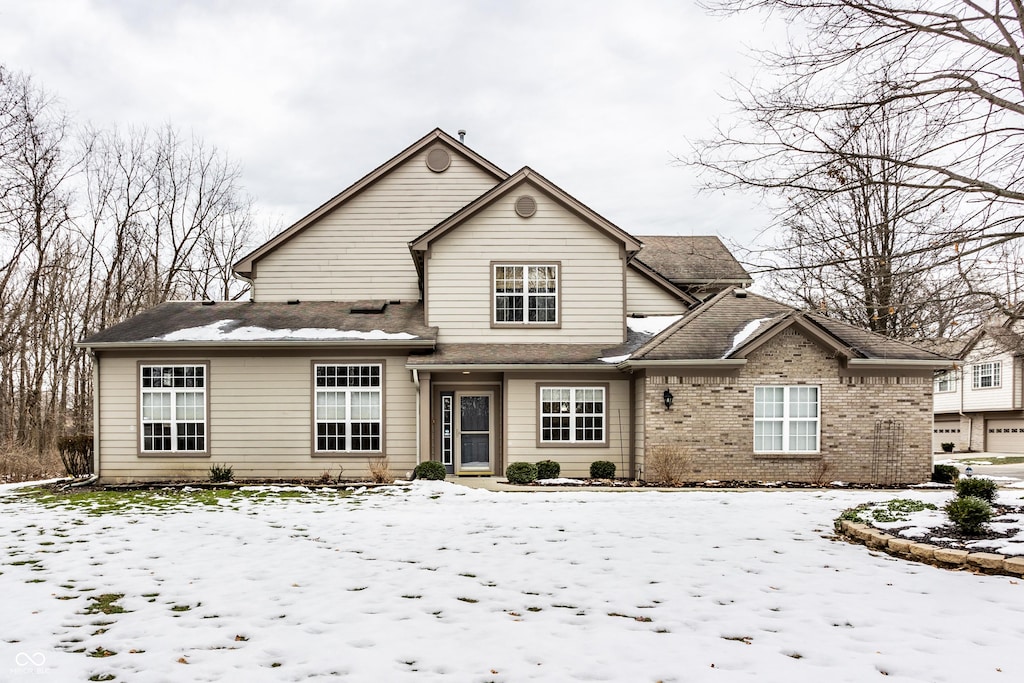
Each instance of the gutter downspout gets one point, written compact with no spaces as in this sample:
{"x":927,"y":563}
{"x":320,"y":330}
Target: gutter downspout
{"x":416,"y":381}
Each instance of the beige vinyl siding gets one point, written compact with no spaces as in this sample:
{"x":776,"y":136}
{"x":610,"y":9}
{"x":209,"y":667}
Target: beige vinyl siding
{"x":522,"y":433}
{"x":643,"y":297}
{"x":459,"y":279}
{"x":994,"y":398}
{"x":949,"y":401}
{"x":360,"y":250}
{"x":259,"y":422}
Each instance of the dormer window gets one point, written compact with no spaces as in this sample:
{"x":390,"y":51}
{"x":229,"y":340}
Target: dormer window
{"x":525,"y":294}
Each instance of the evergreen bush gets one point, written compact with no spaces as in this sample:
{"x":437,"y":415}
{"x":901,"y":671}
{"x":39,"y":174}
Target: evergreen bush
{"x":979,"y":488}
{"x":602,"y":469}
{"x":521,"y":473}
{"x":430,"y":469}
{"x":969,"y":514}
{"x":945,"y":474}
{"x":548,"y":469}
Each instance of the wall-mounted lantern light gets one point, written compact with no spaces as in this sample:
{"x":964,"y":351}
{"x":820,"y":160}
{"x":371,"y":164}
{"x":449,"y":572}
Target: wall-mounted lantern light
{"x":668,"y":398}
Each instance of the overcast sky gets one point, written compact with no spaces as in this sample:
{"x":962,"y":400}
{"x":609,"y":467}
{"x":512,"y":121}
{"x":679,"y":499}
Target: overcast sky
{"x":308,"y":96}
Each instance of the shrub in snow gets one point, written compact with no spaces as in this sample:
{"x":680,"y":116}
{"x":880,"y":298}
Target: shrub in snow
{"x":431,"y":469}
{"x":969,"y":514}
{"x":548,"y":469}
{"x":221,"y":473}
{"x":380,"y":470}
{"x":945,"y":474}
{"x":521,"y":473}
{"x":602,"y":469}
{"x":979,"y":488}
{"x":76,"y":454}
{"x":668,"y":464}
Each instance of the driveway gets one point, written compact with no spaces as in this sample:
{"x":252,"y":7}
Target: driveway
{"x":1000,"y":466}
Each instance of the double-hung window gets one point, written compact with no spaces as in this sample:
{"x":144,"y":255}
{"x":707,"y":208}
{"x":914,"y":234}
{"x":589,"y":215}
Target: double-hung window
{"x":572,"y":415}
{"x":525,"y":294}
{"x":173,"y":408}
{"x":786,"y":419}
{"x":987,"y":375}
{"x":348,"y":407}
{"x":945,"y":382}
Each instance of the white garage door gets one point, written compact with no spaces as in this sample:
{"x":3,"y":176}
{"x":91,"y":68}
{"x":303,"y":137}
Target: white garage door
{"x":1004,"y":436}
{"x":945,"y":430}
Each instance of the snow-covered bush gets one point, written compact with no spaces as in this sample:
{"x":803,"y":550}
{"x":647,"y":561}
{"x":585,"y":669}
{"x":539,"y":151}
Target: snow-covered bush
{"x":548,"y":469}
{"x":521,"y":473}
{"x":602,"y":469}
{"x":969,"y":514}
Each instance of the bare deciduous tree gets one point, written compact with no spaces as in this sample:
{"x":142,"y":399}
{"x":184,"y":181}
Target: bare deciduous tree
{"x":95,"y":226}
{"x":947,"y":74}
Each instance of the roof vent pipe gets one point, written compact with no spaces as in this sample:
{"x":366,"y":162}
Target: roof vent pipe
{"x":462,"y":135}
{"x":739,"y":293}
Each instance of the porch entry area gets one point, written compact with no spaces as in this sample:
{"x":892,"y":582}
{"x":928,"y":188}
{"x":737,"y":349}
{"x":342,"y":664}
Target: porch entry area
{"x":465,"y":432}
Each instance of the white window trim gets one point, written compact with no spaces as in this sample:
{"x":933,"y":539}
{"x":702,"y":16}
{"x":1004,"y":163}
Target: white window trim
{"x":173,"y":421}
{"x":994,"y":372}
{"x":526,"y":295}
{"x":786,"y":419}
{"x":572,"y":440}
{"x":950,"y":378}
{"x":347,"y":420}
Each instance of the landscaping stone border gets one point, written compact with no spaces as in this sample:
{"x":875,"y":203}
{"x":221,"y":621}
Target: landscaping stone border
{"x":946,"y":558}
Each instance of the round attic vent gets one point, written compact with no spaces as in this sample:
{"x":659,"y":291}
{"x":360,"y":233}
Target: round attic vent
{"x":526,"y":206}
{"x":438,"y":160}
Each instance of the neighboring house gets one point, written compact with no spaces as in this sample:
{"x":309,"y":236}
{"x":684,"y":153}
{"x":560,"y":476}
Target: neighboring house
{"x":979,"y":403}
{"x":440,"y":308}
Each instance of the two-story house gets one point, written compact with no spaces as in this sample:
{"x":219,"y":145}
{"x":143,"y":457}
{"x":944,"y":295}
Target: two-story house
{"x":979,"y":403}
{"x":441,"y":308}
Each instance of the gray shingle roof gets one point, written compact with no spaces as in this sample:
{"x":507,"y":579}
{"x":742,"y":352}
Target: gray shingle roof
{"x":270,"y":321}
{"x":691,"y":259}
{"x":727,"y":323}
{"x":529,"y":354}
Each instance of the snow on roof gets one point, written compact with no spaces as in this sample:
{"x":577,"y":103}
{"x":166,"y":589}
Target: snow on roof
{"x":749,"y":329}
{"x":215,"y":332}
{"x":652,"y":324}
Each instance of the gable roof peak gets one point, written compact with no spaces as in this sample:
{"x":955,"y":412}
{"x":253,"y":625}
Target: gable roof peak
{"x":244,"y":266}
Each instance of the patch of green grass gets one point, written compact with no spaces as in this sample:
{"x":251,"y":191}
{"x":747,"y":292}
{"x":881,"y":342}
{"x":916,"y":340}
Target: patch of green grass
{"x":102,"y":652}
{"x":102,"y":677}
{"x":181,"y":608}
{"x":104,"y":502}
{"x":897,"y":510}
{"x":105,"y":604}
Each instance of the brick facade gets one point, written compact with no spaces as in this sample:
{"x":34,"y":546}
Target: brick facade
{"x":712,"y":420}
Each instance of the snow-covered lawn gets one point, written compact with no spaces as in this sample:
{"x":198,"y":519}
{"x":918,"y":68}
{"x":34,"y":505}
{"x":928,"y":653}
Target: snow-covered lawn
{"x":435,"y":581}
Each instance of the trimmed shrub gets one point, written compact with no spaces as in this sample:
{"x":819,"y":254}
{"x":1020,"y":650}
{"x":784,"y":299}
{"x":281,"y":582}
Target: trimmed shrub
{"x":602,"y":469}
{"x":221,"y":473}
{"x":969,"y":514}
{"x":945,"y":474}
{"x":430,"y":469}
{"x":979,"y":488}
{"x":947,"y":446}
{"x":521,"y":473}
{"x":548,"y":469}
{"x":76,"y":454}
